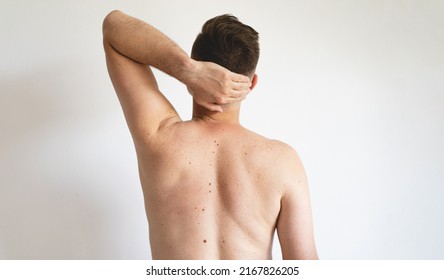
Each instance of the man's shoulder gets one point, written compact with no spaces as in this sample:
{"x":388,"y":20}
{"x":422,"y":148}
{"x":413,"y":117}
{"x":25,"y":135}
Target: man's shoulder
{"x":282,"y":152}
{"x":186,"y":130}
{"x":273,"y":148}
{"x":277,"y":146}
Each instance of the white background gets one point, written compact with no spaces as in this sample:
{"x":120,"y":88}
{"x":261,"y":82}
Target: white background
{"x":357,"y":87}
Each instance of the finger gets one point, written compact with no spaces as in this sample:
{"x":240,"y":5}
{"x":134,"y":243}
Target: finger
{"x":213,"y":107}
{"x":239,"y":93}
{"x":237,"y":90}
{"x":241,"y":86}
{"x":240,"y":78}
{"x":235,"y":100}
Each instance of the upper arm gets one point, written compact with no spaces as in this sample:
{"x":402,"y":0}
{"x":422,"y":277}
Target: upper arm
{"x":144,"y":106}
{"x":295,"y":225}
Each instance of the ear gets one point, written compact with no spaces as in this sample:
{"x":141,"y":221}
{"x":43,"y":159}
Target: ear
{"x":253,"y":82}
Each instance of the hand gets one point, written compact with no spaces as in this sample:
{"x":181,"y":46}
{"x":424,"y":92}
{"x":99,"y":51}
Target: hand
{"x":212,"y":85}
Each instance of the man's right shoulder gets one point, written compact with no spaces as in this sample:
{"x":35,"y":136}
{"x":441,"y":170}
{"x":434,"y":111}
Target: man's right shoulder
{"x":283,"y":156}
{"x":277,"y":147}
{"x":283,"y":152}
{"x":274,"y":150}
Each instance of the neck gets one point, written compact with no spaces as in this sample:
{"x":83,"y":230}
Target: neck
{"x":230,"y":114}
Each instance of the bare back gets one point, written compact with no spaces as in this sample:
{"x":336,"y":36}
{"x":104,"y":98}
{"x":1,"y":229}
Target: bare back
{"x":211,"y":192}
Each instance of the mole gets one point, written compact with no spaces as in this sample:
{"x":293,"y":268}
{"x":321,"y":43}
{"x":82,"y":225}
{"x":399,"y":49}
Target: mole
{"x":204,"y":241}
{"x":209,"y":184}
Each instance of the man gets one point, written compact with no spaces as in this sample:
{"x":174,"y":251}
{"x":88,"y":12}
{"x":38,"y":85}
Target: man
{"x":212,"y":189}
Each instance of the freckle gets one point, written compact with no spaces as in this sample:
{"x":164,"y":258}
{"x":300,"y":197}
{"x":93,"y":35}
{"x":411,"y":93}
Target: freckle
{"x":245,"y":154}
{"x":218,"y":144}
{"x":209,"y":184}
{"x":203,"y":209}
{"x":161,"y":224}
{"x":223,"y":241}
{"x":195,"y":208}
{"x":214,"y":141}
{"x":189,"y":162}
{"x":209,"y":191}
{"x":204,"y":241}
{"x":214,"y":152}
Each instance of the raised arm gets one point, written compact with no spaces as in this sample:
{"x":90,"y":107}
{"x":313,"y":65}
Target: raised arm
{"x":131,"y":45}
{"x":295,"y":225}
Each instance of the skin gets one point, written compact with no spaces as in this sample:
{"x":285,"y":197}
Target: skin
{"x":212,"y":189}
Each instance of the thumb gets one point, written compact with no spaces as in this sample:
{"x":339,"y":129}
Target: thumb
{"x":213,"y":107}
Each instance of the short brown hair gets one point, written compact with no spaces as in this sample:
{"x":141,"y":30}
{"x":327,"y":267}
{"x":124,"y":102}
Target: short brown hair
{"x":228,"y":42}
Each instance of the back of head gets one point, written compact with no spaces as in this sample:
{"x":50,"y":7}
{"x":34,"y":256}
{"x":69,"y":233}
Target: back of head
{"x":228,"y":42}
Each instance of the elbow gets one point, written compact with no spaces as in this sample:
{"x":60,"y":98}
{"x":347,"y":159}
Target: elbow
{"x":108,"y":22}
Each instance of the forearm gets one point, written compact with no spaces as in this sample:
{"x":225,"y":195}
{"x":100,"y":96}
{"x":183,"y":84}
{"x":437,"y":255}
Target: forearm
{"x":145,"y":44}
{"x":210,"y":84}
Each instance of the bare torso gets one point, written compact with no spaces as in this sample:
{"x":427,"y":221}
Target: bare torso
{"x":212,"y":191}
